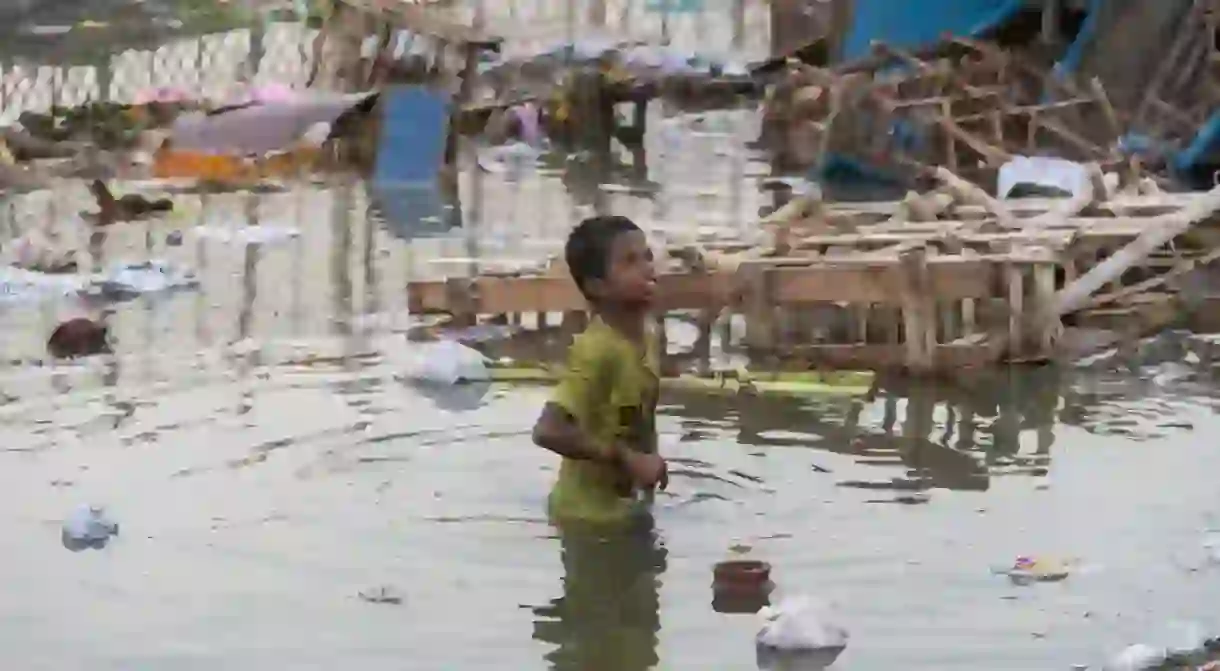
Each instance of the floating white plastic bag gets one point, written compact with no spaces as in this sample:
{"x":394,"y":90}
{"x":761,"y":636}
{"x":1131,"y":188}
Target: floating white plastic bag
{"x":1138,"y":657}
{"x":135,"y":279}
{"x":88,"y":527}
{"x":798,"y":623}
{"x":445,"y":362}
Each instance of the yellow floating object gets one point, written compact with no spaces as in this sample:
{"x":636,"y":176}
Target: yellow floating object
{"x":840,"y":383}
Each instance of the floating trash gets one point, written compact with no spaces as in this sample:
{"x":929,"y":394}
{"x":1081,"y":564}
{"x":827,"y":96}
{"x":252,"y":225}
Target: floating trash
{"x":76,"y":337}
{"x":249,"y":235}
{"x":382,"y":594}
{"x":801,"y":633}
{"x":88,"y":528}
{"x":1138,"y":657}
{"x":128,"y":280}
{"x":1026,"y":570}
{"x":741,"y":586}
{"x":20,"y":285}
{"x":445,"y":362}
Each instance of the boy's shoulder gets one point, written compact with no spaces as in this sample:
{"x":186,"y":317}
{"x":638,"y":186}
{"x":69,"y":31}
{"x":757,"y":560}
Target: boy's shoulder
{"x":598,"y":343}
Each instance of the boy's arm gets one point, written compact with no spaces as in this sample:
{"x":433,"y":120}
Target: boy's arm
{"x":582,"y":389}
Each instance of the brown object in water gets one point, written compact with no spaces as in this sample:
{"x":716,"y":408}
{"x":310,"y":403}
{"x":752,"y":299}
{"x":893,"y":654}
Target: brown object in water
{"x":130,"y":206}
{"x":741,"y":586}
{"x":742,"y":574}
{"x":80,"y":336}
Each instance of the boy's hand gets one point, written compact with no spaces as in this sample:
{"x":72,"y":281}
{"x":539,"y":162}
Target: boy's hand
{"x":645,"y":470}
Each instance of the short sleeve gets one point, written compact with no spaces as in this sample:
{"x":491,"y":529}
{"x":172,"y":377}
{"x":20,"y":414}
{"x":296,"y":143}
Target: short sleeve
{"x":584,"y":384}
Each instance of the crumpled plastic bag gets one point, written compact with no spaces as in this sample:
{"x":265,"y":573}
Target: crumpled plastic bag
{"x":88,"y":527}
{"x":1179,"y":638}
{"x":445,"y":362}
{"x":127,"y":280}
{"x":799,"y":633}
{"x":800,"y":623}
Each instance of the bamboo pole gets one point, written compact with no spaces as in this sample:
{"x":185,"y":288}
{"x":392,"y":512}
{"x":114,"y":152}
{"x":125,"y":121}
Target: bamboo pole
{"x":1160,"y":231}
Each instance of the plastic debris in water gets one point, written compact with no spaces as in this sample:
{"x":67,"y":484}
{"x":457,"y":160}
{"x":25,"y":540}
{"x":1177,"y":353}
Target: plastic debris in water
{"x":382,"y":594}
{"x":1138,"y":657}
{"x":127,"y":280}
{"x":249,"y":235}
{"x":799,"y":627}
{"x":88,"y":527}
{"x":445,"y":362}
{"x":1027,"y":570}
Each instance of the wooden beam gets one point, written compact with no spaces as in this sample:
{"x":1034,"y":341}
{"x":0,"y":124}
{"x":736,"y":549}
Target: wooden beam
{"x":847,"y":280}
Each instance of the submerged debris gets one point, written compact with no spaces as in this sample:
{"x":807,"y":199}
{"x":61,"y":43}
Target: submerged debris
{"x":1027,"y":570}
{"x":78,"y":337}
{"x":88,"y":527}
{"x":382,"y":594}
{"x":799,"y":632}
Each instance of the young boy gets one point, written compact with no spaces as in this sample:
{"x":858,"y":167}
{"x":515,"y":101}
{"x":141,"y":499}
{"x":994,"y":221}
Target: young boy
{"x":601,"y":419}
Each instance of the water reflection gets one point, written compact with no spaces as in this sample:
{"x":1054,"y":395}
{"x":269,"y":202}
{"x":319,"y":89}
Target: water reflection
{"x":953,"y":436}
{"x":608,"y":618}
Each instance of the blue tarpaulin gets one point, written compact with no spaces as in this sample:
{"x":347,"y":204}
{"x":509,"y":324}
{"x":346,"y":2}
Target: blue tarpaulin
{"x":917,"y":23}
{"x":405,"y":185}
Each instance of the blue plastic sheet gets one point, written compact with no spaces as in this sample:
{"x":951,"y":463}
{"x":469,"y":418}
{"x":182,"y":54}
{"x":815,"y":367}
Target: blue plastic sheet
{"x":405,"y":185}
{"x":916,"y":23}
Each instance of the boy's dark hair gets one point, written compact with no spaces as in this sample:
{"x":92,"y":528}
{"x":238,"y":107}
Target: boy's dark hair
{"x":587,"y":251}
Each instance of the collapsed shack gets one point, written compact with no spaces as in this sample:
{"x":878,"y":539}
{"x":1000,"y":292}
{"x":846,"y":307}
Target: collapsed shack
{"x":939,"y":281}
{"x":964,"y":104}
{"x":1139,"y":78}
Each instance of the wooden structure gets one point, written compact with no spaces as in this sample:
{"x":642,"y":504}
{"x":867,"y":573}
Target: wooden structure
{"x":1184,"y":88}
{"x":939,"y":281}
{"x":963,"y":104}
{"x":587,"y":96}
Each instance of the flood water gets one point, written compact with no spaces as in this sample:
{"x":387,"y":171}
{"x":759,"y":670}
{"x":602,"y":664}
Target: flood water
{"x":267,"y":466}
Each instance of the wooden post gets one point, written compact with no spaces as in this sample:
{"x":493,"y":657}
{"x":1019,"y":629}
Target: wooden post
{"x":1016,"y":309}
{"x":760,"y":307}
{"x":1044,"y":292}
{"x":918,"y":321}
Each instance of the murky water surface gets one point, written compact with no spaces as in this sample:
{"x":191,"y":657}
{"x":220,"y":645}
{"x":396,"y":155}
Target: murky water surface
{"x":267,"y":467}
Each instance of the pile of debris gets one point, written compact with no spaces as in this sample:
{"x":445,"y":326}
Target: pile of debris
{"x":972,"y":109}
{"x":972,"y":106}
{"x":940,"y":280}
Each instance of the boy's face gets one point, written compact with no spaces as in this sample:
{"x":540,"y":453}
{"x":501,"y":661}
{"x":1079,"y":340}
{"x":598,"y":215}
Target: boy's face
{"x":631,"y":279}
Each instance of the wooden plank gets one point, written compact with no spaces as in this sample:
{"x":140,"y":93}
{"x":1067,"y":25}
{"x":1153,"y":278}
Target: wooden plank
{"x":872,"y":281}
{"x":847,"y":280}
{"x":1027,"y":110}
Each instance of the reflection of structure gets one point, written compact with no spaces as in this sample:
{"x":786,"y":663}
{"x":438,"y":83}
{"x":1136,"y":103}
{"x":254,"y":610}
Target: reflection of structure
{"x":942,"y":436}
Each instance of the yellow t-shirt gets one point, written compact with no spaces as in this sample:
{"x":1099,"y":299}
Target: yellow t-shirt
{"x":610,"y":388}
